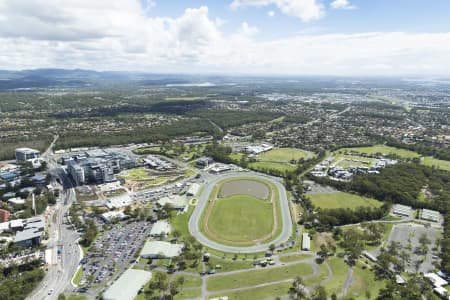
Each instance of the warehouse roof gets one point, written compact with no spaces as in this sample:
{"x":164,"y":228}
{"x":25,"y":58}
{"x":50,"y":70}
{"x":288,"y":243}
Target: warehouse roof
{"x":176,"y":201}
{"x":159,"y":228}
{"x":161,"y":249}
{"x":128,"y":285}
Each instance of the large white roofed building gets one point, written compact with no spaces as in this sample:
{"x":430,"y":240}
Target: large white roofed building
{"x":160,"y":228}
{"x":128,"y":285}
{"x":159,"y":249}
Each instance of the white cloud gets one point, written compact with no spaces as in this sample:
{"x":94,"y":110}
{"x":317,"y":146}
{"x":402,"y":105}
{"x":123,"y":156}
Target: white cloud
{"x":271,"y":13}
{"x":123,"y":38}
{"x":342,"y":4}
{"x":305,"y":10}
{"x":248,"y":30}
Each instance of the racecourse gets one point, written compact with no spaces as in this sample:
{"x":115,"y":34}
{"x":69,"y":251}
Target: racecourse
{"x":285,"y":222}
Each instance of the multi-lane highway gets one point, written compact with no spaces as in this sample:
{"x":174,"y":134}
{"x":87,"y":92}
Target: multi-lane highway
{"x":203,"y":201}
{"x":63,"y":246}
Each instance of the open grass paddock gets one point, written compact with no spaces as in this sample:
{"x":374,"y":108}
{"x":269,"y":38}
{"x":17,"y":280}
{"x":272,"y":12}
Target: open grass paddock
{"x":437,"y":163}
{"x":283,"y":154}
{"x":342,"y":200}
{"x":251,"y":278}
{"x":385,"y":150}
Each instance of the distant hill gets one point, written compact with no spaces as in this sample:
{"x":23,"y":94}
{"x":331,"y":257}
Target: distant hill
{"x":59,"y":78}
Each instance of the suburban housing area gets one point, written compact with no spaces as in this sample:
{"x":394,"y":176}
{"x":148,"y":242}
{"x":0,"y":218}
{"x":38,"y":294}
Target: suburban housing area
{"x":189,"y":193}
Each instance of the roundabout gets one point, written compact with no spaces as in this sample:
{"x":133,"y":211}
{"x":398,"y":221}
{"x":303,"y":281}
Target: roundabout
{"x":242,"y":213}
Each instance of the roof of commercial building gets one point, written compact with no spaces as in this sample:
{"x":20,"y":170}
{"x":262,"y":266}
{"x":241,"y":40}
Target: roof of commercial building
{"x":119,"y":201}
{"x":27,"y":150}
{"x":402,"y":209}
{"x":128,"y":285}
{"x":109,"y":215}
{"x":17,"y":201}
{"x":429,"y":214}
{"x":436,"y":279}
{"x":163,"y":249}
{"x":35,"y":222}
{"x":193,"y":189}
{"x":160,"y":227}
{"x":306,"y":242}
{"x":16,"y":223}
{"x":27,"y":234}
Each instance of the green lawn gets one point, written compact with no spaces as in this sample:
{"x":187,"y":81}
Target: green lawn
{"x":282,"y":154}
{"x":179,"y":222}
{"x":241,"y":218}
{"x":342,"y":200}
{"x":78,"y":276}
{"x":267,"y":292}
{"x":251,"y":278}
{"x":294,"y":257}
{"x":439,"y":164}
{"x":137,"y":174}
{"x":318,"y":279}
{"x":281,"y":166}
{"x":236,"y":156}
{"x":340,"y":269}
{"x":227,"y":265}
{"x":188,"y":294}
{"x":383,"y":150}
{"x":76,"y":297}
{"x":190,"y":281}
{"x":364,"y":280}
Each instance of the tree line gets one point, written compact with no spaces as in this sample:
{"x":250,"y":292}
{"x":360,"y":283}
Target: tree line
{"x":16,"y":282}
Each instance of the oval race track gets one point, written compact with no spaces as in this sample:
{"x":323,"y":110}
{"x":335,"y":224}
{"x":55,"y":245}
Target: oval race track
{"x":203,"y":201}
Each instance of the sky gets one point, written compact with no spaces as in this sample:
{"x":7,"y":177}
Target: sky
{"x":266,"y":37}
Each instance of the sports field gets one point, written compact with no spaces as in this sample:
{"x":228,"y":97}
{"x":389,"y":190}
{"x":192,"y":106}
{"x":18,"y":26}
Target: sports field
{"x":437,"y":163}
{"x":342,"y":200}
{"x":283,"y":155}
{"x":381,"y":149}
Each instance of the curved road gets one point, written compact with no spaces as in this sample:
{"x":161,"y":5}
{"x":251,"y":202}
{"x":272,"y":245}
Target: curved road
{"x":203,"y":201}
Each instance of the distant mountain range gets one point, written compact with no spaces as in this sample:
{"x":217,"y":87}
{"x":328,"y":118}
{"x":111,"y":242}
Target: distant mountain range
{"x":78,"y":78}
{"x":52,"y":78}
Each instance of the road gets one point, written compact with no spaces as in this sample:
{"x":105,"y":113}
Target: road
{"x":49,"y":150}
{"x":63,"y":245}
{"x":203,"y":201}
